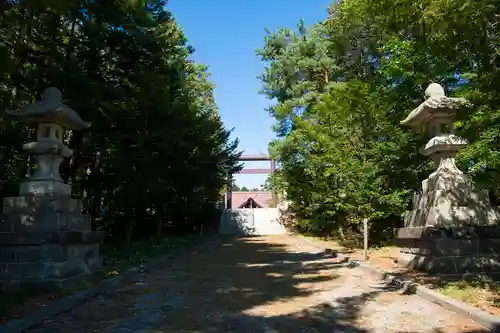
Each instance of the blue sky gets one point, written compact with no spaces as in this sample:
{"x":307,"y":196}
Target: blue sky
{"x":225,"y":34}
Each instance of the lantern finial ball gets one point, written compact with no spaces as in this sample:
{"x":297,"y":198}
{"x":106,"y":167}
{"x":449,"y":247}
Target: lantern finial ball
{"x":434,"y":90}
{"x":52,"y":94}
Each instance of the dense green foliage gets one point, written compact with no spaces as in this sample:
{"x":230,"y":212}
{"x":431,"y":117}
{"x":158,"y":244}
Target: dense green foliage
{"x":157,"y":152}
{"x":342,"y":86}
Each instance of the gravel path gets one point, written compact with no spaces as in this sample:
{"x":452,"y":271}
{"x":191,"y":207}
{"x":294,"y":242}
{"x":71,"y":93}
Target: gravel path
{"x":263,"y":285}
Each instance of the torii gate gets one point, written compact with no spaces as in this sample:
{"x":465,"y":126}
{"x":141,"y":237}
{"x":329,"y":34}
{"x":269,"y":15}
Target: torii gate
{"x":252,"y":172}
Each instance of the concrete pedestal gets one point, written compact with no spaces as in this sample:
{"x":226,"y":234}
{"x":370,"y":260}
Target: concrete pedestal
{"x":450,"y":250}
{"x":453,"y":228}
{"x":46,"y":242}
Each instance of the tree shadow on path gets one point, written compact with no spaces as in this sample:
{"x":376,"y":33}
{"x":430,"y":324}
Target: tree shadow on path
{"x":252,"y":285}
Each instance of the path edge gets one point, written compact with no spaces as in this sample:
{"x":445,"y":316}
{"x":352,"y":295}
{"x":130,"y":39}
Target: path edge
{"x":481,"y":317}
{"x":66,"y":303}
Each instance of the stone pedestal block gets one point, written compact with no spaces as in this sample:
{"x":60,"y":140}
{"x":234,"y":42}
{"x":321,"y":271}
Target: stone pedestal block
{"x":452,"y":227}
{"x":54,"y":264}
{"x":46,"y":242}
{"x":24,"y":204}
{"x":29,"y":214}
{"x":44,"y":188}
{"x":451,"y":250}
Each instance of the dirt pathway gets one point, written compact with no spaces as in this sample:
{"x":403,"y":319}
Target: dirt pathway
{"x":263,"y":285}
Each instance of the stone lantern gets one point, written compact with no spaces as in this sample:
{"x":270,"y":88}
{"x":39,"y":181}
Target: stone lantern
{"x":449,"y":216}
{"x":52,"y":118}
{"x":44,"y":238}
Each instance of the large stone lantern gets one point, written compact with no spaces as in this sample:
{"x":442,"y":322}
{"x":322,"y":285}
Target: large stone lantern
{"x":449,"y":214}
{"x":44,"y":238}
{"x":52,"y":118}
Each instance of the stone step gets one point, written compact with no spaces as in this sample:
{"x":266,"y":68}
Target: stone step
{"x":30,"y":204}
{"x":452,"y":247}
{"x":481,"y":263}
{"x":45,"y":252}
{"x":59,"y":237}
{"x":42,"y":221}
{"x":52,"y":262}
{"x":453,"y":216}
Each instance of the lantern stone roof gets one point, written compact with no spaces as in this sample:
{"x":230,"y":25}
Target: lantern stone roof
{"x":51,"y":110}
{"x":436,"y":102}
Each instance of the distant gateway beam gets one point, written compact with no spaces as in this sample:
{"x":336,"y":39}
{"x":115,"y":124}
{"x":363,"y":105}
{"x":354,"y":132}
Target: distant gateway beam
{"x":255,"y":158}
{"x":255,"y":171}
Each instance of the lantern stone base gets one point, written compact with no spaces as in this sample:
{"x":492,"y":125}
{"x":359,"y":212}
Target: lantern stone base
{"x":453,"y":216}
{"x":453,"y":228}
{"x":449,"y":198}
{"x":450,"y":250}
{"x":45,"y":242}
{"x":45,"y":188}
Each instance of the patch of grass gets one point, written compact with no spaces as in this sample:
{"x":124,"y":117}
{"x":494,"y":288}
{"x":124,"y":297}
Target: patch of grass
{"x":329,"y":243}
{"x":120,"y":257}
{"x":312,"y":237}
{"x":384,"y":251}
{"x":460,"y":291}
{"x":478,"y":292}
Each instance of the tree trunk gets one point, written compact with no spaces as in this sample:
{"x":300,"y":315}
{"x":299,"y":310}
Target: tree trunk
{"x":341,"y":233}
{"x":75,"y":144}
{"x":159,"y":224}
{"x":130,"y":226}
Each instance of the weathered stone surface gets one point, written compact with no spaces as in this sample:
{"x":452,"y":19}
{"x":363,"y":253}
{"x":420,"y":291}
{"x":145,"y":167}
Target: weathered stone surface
{"x":409,"y":232}
{"x":30,"y":214}
{"x":24,"y":271}
{"x":448,"y":196}
{"x":47,"y":221}
{"x":83,"y":250}
{"x":86,"y":262}
{"x":42,"y":220}
{"x":52,"y":257}
{"x":44,"y":188}
{"x":448,"y":215}
{"x":452,"y":247}
{"x":75,"y":267}
{"x":453,"y":227}
{"x":58,"y":237}
{"x":27,"y":204}
{"x":483,"y":263}
{"x":50,"y":110}
{"x":43,"y":236}
{"x":5,"y":223}
{"x":42,"y":253}
{"x":450,"y":251}
{"x":75,"y":222}
{"x":438,"y":232}
{"x":8,"y":254}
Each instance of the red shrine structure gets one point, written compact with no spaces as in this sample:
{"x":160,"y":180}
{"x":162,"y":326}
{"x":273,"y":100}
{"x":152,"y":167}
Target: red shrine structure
{"x":259,"y":199}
